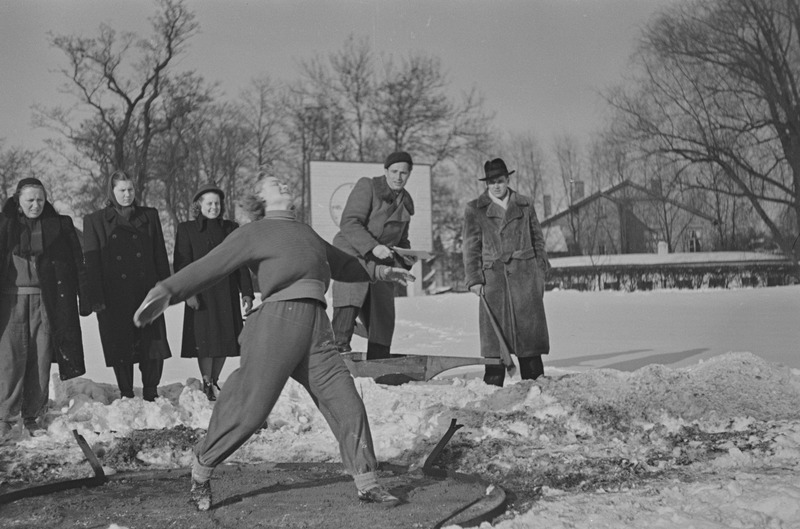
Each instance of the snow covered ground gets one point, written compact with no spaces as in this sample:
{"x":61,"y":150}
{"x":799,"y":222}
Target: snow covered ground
{"x":667,"y":409}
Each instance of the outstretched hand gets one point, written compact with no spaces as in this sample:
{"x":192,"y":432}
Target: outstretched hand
{"x":153,"y":306}
{"x":399,"y":275}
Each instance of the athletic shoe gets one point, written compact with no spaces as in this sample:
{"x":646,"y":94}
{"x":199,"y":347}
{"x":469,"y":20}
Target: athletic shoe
{"x":201,"y":495}
{"x":379,"y":496}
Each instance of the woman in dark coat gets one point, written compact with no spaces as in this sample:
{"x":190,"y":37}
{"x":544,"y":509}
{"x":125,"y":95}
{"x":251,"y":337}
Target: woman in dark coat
{"x":41,"y":275}
{"x":505,"y":263}
{"x":212,"y":319}
{"x":125,"y":256}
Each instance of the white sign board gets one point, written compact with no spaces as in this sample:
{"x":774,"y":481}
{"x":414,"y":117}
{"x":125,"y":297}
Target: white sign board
{"x":331,"y":183}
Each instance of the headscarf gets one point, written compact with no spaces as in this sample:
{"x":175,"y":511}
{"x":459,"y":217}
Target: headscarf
{"x":30,"y":230}
{"x":124,"y":211}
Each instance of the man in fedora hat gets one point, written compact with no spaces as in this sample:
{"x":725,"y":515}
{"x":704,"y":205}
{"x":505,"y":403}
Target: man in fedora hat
{"x":505,"y":263}
{"x":375,"y":218}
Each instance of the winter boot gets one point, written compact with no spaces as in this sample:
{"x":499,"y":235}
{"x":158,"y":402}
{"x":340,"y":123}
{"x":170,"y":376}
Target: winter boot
{"x":33,"y":427}
{"x":149,"y":393}
{"x":208,"y":389}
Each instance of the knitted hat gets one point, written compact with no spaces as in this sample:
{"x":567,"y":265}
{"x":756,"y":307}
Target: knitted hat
{"x":396,"y":157}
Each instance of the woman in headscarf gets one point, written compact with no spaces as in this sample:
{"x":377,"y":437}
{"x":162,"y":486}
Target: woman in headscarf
{"x":212,"y":319}
{"x":41,"y":274}
{"x":125,"y":256}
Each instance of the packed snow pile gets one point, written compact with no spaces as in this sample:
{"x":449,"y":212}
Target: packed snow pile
{"x":603,"y":448}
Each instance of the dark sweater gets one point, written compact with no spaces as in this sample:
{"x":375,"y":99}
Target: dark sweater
{"x":290,"y":259}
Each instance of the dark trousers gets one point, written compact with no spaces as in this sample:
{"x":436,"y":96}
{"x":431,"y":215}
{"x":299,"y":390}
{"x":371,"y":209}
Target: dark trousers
{"x":25,"y":357}
{"x":530,"y":368}
{"x":151,"y":376}
{"x":344,"y":323}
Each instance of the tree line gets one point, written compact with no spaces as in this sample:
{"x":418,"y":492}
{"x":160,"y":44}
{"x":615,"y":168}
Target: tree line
{"x":709,"y":116}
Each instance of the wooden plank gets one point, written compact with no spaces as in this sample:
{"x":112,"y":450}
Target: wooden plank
{"x":414,"y":367}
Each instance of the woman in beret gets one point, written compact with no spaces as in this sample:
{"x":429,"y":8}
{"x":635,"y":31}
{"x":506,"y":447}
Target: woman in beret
{"x":212,"y":319}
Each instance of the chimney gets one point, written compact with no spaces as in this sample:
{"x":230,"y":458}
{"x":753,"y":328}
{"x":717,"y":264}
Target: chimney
{"x":547,"y":205}
{"x":577,"y":190}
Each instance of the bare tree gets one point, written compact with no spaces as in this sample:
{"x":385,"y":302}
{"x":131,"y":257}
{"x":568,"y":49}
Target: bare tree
{"x":354,"y":82}
{"x":718,"y":85}
{"x":529,"y":161}
{"x":16,"y":163}
{"x":264,"y":116}
{"x":570,"y":173}
{"x":119,"y":80}
{"x":414,"y":112}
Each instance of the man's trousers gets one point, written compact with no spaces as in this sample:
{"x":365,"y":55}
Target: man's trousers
{"x":280,"y":340}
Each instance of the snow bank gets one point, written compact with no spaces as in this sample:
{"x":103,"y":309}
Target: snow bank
{"x":695,"y":446}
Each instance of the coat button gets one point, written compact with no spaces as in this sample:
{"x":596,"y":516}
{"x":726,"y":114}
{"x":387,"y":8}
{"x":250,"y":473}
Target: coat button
{"x":58,"y":282}
{"x":138,"y":254}
{"x":62,"y":295}
{"x":114,"y":236}
{"x":135,"y":237}
{"x":119,"y":258}
{"x":124,"y":276}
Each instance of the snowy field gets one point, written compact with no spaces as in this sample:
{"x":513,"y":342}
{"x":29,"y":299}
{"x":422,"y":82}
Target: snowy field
{"x":665,"y":409}
{"x":615,"y":330}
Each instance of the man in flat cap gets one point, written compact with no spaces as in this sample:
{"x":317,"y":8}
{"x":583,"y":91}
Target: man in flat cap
{"x":375,"y":218}
{"x":505,"y":263}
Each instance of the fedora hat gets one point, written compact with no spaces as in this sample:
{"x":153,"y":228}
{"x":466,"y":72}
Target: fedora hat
{"x":495,"y":168}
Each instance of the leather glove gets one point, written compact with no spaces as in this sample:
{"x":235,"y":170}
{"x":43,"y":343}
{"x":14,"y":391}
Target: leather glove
{"x":397,"y":275}
{"x":477,"y":289}
{"x":544,"y":263}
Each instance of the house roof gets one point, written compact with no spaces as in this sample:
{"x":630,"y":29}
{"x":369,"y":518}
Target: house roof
{"x":608,"y":193}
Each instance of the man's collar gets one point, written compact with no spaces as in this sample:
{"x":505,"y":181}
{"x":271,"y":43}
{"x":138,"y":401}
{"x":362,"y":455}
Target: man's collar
{"x":280,"y":214}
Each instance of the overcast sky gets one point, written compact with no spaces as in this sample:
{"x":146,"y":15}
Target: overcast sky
{"x":539,"y":63}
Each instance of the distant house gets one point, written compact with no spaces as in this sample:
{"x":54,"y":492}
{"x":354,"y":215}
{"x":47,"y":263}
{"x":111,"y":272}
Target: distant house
{"x":627,"y":218}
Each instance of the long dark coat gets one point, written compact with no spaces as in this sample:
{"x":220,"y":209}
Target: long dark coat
{"x":212,"y":330}
{"x":124,"y":260}
{"x":504,"y":251}
{"x":373,"y":215}
{"x":62,"y":279}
